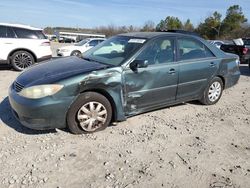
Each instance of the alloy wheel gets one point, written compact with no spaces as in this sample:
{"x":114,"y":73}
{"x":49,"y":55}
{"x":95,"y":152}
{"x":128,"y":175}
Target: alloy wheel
{"x":22,"y":60}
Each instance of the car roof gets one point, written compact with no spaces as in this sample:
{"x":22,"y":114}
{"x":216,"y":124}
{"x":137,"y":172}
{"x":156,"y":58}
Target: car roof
{"x":20,"y":26}
{"x":96,"y":38}
{"x":149,"y":35}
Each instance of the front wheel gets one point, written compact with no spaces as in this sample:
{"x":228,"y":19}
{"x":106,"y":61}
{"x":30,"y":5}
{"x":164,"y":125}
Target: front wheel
{"x":90,"y":112}
{"x":213,"y":92}
{"x":76,"y":53}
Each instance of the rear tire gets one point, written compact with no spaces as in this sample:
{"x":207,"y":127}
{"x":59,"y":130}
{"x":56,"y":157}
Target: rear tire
{"x":91,"y":112}
{"x":21,"y":60}
{"x":213,"y":92}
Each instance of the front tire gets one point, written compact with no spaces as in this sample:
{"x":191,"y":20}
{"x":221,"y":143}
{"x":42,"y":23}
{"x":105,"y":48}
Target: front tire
{"x":21,"y":60}
{"x":213,"y":92}
{"x":76,"y":53}
{"x":91,"y":112}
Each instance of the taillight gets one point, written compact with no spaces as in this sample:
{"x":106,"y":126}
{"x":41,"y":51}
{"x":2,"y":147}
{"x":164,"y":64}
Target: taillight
{"x":245,"y":50}
{"x":45,"y":44}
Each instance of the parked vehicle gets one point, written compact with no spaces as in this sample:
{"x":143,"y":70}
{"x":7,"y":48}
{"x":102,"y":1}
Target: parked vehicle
{"x":66,"y":40}
{"x":217,"y":43}
{"x":246,"y":42}
{"x":79,"y":48}
{"x":22,"y":46}
{"x":239,"y":48}
{"x":152,"y":71}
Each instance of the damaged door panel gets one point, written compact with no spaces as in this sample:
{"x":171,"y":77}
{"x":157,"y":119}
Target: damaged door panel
{"x":152,"y":86}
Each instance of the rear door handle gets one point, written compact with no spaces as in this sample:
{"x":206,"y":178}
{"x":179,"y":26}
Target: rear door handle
{"x":171,"y":71}
{"x":8,"y":43}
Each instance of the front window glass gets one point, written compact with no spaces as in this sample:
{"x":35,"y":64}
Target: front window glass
{"x":192,"y":49}
{"x":115,"y":50}
{"x":82,"y":42}
{"x":158,"y":51}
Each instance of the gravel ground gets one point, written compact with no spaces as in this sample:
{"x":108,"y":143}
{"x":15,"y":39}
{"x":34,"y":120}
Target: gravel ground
{"x":187,"y":145}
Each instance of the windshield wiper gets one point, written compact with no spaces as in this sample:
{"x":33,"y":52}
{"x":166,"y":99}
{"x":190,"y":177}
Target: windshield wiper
{"x":93,"y":60}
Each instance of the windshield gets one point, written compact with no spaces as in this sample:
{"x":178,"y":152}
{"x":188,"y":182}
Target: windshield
{"x":82,"y":42}
{"x":115,"y":50}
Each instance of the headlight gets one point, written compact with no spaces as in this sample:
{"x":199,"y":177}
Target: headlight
{"x":40,"y":91}
{"x":63,"y":50}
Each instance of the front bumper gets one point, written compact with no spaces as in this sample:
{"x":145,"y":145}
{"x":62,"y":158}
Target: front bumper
{"x":40,"y":114}
{"x":63,"y":54}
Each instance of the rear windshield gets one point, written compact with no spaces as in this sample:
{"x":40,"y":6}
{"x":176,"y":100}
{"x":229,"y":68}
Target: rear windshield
{"x":29,"y":34}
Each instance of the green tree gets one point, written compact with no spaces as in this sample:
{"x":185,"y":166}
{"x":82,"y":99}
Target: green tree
{"x":188,"y":26}
{"x":170,"y":22}
{"x":148,"y":26}
{"x":234,"y":19}
{"x":211,"y":27}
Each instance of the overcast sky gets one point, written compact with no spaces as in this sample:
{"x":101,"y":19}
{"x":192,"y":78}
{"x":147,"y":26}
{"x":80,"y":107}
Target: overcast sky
{"x":92,"y":13}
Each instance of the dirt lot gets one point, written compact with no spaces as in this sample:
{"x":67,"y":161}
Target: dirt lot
{"x":188,"y":145}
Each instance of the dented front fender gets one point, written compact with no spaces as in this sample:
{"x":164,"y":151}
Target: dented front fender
{"x":109,"y":83}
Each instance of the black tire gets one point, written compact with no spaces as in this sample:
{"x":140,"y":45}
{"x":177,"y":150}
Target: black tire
{"x":76,"y":53}
{"x":205,"y":98}
{"x":73,"y":122}
{"x":21,"y":60}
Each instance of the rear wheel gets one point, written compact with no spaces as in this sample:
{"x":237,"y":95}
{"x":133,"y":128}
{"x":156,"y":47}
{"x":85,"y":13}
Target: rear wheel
{"x":21,"y":60}
{"x":213,"y":92}
{"x":90,"y":112}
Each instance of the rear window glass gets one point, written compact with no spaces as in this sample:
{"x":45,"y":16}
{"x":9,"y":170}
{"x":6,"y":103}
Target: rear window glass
{"x":192,"y":49}
{"x":10,"y":33}
{"x":29,"y":34}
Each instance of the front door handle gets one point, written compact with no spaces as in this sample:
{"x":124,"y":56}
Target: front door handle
{"x":171,"y":71}
{"x":212,"y":64}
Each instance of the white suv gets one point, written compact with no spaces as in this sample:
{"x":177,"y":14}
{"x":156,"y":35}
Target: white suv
{"x":80,"y":47}
{"x":21,"y":45}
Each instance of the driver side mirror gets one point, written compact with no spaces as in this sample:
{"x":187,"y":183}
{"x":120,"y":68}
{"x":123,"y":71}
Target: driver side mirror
{"x":134,"y":65}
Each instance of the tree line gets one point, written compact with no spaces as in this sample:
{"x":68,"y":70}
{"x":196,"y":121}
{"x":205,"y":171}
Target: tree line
{"x":234,"y":25}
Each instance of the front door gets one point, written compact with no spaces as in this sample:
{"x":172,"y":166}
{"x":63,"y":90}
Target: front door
{"x":156,"y":84}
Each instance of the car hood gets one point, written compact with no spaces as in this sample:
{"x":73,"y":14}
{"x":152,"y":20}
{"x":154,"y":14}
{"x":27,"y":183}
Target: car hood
{"x":57,"y":69}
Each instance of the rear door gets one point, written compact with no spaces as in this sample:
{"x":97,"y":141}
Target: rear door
{"x":7,"y":41}
{"x":197,"y":65}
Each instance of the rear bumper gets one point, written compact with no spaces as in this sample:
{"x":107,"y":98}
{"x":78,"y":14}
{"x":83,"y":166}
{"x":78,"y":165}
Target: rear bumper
{"x":40,"y":114}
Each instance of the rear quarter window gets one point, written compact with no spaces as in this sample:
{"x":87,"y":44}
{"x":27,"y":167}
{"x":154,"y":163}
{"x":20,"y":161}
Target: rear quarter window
{"x":40,"y":34}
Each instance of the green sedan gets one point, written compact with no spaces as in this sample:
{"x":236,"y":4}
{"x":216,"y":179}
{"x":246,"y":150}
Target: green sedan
{"x":125,"y":75}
